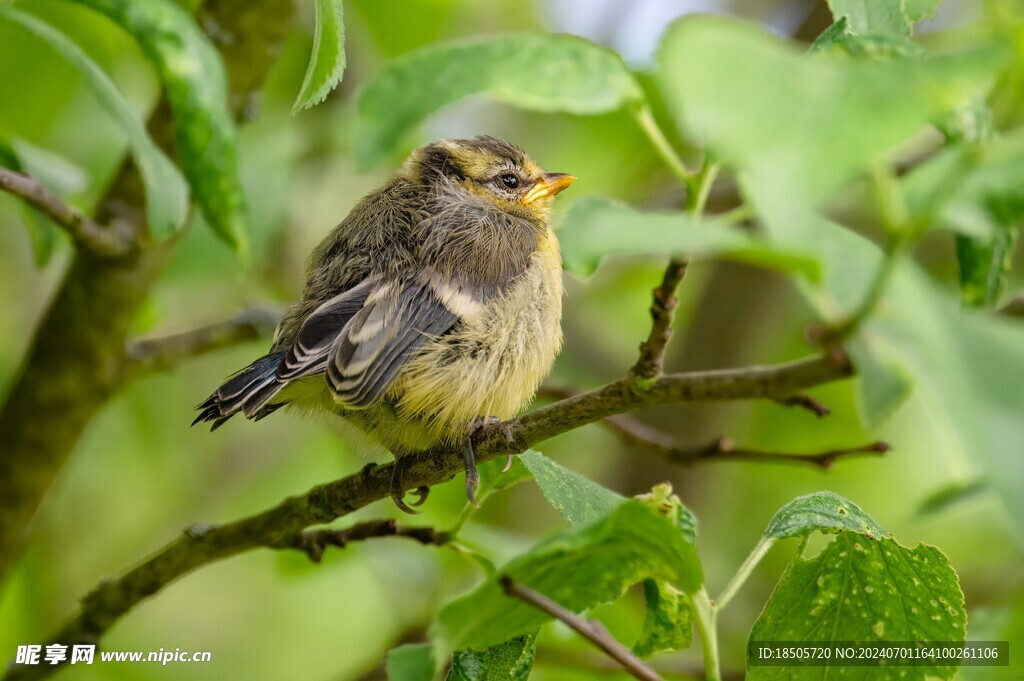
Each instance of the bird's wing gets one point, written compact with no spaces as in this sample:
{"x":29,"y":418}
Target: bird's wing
{"x":394,"y":322}
{"x":361,"y":353}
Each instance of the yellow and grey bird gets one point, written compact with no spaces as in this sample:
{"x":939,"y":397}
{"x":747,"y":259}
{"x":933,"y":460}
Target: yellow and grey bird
{"x":434,"y":306}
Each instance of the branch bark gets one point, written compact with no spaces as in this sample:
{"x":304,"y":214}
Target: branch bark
{"x":663,"y":305}
{"x":114,"y":240}
{"x":77,"y":356}
{"x":278,"y":526}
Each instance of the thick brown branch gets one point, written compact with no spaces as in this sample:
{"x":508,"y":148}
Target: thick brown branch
{"x":592,"y":630}
{"x":313,"y":542}
{"x":162,"y":352}
{"x":663,"y":304}
{"x":108,"y":241}
{"x":278,"y":526}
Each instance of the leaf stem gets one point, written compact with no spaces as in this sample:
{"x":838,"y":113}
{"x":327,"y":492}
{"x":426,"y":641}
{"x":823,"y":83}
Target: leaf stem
{"x":645,"y":119}
{"x":700,"y":189}
{"x":706,"y":626}
{"x":744,"y":572}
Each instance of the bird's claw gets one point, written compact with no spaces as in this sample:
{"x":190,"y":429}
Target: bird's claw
{"x":508,"y":463}
{"x":472,"y":480}
{"x":421,"y":492}
{"x":402,"y":506}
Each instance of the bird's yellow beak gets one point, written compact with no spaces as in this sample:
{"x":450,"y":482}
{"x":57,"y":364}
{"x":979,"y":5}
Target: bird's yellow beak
{"x":549,"y":186}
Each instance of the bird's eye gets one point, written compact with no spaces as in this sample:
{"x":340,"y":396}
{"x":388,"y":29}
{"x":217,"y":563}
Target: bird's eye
{"x":510,"y":180}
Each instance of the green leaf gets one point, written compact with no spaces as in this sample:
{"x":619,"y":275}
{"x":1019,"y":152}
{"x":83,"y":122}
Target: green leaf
{"x":579,"y":500}
{"x":885,"y":380}
{"x":411,"y":662}
{"x":985,"y":266}
{"x":668,"y":624}
{"x":327,"y":62}
{"x":861,"y":589}
{"x":816,"y":124}
{"x":964,"y":377}
{"x":42,"y":232}
{"x":166,"y":192}
{"x":537,"y":72}
{"x":596,"y":228}
{"x":196,"y":87}
{"x":578,"y":568}
{"x":950,"y":495}
{"x":508,"y":661}
{"x":873,"y":17}
{"x":919,"y":10}
{"x":825,"y":512}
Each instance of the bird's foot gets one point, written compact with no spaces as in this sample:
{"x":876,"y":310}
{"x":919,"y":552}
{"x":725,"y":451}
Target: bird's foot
{"x":469,"y":457}
{"x":398,"y":490}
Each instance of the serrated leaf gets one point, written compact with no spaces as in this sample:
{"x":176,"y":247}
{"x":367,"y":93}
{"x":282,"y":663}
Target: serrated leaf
{"x":824,"y":512}
{"x":578,"y":568}
{"x":668,"y":624}
{"x":873,"y":17}
{"x":866,"y":590}
{"x":196,"y":87}
{"x":327,"y":61}
{"x":919,"y":10}
{"x":578,"y":499}
{"x":166,"y":191}
{"x":411,"y":662}
{"x":508,"y":661}
{"x":597,"y":228}
{"x":816,"y":124}
{"x":537,"y":72}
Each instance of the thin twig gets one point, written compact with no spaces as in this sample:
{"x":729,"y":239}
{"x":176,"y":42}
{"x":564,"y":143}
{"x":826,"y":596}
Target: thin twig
{"x":663,"y":304}
{"x":637,"y":432}
{"x":161,"y":352}
{"x":591,"y":630}
{"x":724,"y":449}
{"x":110,"y":241}
{"x":806,"y":402}
{"x":314,"y":541}
{"x":276,"y":526}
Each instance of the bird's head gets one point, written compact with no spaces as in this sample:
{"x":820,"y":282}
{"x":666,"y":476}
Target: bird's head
{"x":491,"y":169}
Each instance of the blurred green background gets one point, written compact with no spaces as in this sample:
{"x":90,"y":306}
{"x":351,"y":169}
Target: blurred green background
{"x":141,"y":474}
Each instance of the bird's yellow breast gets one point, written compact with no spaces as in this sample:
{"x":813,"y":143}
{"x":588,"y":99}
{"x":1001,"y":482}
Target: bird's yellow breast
{"x":489,"y":365}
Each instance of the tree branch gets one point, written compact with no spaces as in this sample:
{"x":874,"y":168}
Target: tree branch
{"x":313,"y":542}
{"x":278,"y":526}
{"x":663,"y":304}
{"x":638,"y":433}
{"x":162,"y":352}
{"x":592,"y":630}
{"x":107,"y":241}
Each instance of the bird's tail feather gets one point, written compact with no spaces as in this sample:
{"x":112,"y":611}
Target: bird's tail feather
{"x":249,"y":391}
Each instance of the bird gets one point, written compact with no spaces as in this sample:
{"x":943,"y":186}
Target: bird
{"x":431,"y":310}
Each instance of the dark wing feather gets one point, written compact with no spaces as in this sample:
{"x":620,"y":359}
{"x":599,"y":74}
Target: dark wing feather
{"x":393,"y":324}
{"x":319,"y":331}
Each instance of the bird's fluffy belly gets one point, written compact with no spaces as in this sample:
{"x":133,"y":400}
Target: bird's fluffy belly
{"x":489,"y":366}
